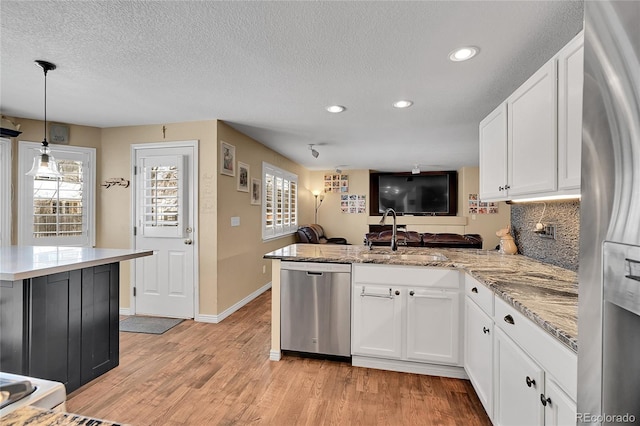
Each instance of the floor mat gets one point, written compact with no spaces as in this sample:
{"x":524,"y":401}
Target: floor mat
{"x":149,"y":325}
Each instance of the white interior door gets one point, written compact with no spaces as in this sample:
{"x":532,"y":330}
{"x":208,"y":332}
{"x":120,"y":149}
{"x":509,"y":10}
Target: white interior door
{"x":165,"y":223}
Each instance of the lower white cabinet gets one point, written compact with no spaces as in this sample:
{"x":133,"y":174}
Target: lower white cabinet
{"x":408,"y":314}
{"x":376,"y":321}
{"x":519,"y":381}
{"x":478,"y":352}
{"x":559,"y":408}
{"x":433,"y":321}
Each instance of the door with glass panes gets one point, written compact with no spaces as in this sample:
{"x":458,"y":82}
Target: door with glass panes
{"x":164,"y":212}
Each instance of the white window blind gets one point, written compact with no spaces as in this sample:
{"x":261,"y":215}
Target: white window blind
{"x":280,"y":202}
{"x":57,"y":211}
{"x":161,"y":186}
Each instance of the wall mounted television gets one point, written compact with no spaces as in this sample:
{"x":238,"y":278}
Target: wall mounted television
{"x":424,"y":194}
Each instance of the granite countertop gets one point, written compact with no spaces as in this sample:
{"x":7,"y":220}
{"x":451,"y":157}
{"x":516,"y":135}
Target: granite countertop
{"x":22,"y":262}
{"x":546,"y":294}
{"x":38,"y":417}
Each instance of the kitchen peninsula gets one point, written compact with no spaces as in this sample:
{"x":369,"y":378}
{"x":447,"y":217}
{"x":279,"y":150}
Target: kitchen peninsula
{"x":60,"y":306}
{"x":506,"y":322}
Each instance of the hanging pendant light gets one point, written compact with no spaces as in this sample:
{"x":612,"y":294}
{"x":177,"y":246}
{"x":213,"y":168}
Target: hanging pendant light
{"x":44,"y":165}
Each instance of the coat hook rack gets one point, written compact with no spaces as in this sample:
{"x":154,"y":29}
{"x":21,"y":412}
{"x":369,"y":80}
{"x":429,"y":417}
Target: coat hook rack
{"x":115,"y":182}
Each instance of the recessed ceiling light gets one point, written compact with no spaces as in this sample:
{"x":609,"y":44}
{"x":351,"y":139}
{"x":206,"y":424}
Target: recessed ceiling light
{"x":335,"y":108}
{"x":463,"y":53}
{"x":402,"y":104}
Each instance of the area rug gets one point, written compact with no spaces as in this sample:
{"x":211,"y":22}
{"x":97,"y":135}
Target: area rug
{"x":148,"y":325}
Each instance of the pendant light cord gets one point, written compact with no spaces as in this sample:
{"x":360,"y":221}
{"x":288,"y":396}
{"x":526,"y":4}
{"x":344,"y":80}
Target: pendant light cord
{"x":44,"y":142}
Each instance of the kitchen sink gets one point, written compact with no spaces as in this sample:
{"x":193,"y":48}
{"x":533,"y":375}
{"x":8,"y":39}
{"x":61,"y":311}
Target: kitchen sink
{"x":403,"y":256}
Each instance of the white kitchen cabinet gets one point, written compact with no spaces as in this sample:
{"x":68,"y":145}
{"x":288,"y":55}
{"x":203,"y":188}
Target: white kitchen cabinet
{"x":519,"y":381}
{"x":543,"y":125}
{"x":478,"y":352}
{"x":407,"y":318}
{"x":570,"y":79}
{"x":377,"y":321}
{"x":559,"y":408}
{"x":493,"y":155}
{"x":532,"y":134}
{"x":433,"y":325}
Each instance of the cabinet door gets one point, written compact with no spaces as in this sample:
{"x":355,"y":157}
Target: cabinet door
{"x":532,"y":135}
{"x":377,"y":325}
{"x":518,"y":384}
{"x":54,"y":338}
{"x":493,"y":155}
{"x":433,"y":326}
{"x":478,"y":353}
{"x":100,"y":309}
{"x":570,"y":78}
{"x":560,"y":410}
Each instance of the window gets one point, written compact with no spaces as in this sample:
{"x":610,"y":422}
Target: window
{"x":57,"y":211}
{"x":279,"y":202}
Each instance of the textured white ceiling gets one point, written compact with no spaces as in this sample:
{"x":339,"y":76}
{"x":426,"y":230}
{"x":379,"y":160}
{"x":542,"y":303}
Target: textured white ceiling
{"x":270,"y":68}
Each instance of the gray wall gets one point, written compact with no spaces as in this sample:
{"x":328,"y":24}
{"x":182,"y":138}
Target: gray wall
{"x":565,"y":215}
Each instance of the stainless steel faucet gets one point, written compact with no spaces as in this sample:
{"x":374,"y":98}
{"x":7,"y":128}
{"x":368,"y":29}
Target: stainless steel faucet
{"x":394,"y":235}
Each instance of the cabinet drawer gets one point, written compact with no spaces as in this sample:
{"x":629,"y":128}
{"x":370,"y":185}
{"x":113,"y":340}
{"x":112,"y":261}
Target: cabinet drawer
{"x":478,"y":293}
{"x":418,"y":276}
{"x":553,"y":356}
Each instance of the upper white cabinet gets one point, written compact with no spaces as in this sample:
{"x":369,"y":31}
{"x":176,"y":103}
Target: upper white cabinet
{"x":570,"y":79}
{"x":532,"y":136}
{"x":542,"y":121}
{"x":493,"y":154}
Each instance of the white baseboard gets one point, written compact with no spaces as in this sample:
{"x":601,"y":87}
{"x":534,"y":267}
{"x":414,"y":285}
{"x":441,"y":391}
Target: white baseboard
{"x":224,"y":314}
{"x":125,"y":311}
{"x":275,"y":355}
{"x":410,"y":367}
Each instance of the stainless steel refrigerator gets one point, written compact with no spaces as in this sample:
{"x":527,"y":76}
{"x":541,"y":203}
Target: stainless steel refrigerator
{"x":609,"y":272}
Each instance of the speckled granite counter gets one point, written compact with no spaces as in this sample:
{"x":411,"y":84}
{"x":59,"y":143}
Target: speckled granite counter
{"x":546,"y":294}
{"x":37,"y":417}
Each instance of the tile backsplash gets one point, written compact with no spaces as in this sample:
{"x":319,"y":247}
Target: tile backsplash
{"x":565,"y":215}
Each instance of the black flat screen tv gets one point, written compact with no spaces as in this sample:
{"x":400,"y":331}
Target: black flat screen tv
{"x":427,"y":193}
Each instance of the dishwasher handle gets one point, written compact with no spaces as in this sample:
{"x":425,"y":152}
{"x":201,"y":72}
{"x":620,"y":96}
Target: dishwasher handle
{"x":316,"y":274}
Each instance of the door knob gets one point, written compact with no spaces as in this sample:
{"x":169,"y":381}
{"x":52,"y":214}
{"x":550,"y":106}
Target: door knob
{"x":188,"y":242}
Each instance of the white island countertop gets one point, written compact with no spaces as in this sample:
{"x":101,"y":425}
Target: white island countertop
{"x":22,"y":262}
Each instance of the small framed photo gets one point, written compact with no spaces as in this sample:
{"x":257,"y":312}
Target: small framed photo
{"x":243,"y":177}
{"x":256,"y":192}
{"x":59,"y":133}
{"x":227,"y":159}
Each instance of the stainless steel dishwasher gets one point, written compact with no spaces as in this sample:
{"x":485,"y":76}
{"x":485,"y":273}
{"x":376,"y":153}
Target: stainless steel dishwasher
{"x":315,"y":308}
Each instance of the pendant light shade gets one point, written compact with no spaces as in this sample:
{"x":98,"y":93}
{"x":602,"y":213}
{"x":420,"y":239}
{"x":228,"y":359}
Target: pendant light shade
{"x":44,"y":165}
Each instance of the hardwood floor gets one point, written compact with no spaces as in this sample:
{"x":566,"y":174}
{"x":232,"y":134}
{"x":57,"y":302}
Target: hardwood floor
{"x":220,"y":374}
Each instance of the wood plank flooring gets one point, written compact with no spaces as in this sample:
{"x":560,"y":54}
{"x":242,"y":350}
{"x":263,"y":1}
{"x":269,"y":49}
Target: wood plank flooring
{"x":220,"y":374}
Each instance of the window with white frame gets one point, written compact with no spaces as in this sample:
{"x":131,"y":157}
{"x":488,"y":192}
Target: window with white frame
{"x":61,"y":211}
{"x":279,"y":202}
{"x":5,"y":192}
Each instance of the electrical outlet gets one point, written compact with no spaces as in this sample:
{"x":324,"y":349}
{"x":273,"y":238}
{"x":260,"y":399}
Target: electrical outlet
{"x":549,"y":231}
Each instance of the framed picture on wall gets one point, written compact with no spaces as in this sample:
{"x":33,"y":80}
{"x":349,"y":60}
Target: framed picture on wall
{"x":243,"y":177}
{"x":256,"y":192}
{"x":227,"y":159}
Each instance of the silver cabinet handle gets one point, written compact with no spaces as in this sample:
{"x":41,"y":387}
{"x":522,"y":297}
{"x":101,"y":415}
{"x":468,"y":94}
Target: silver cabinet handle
{"x":188,"y":242}
{"x":383,"y":296}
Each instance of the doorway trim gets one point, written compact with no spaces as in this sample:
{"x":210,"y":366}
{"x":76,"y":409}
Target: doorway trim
{"x":196,"y":253}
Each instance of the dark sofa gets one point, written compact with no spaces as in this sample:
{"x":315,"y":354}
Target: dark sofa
{"x":414,"y":239}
